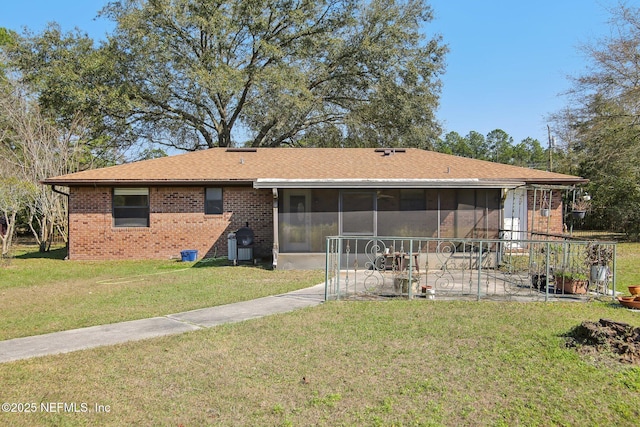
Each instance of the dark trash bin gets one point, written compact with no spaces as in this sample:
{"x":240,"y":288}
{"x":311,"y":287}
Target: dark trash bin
{"x":244,"y":240}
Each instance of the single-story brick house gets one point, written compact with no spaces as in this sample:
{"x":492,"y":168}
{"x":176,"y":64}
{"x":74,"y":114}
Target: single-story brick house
{"x":292,"y":198}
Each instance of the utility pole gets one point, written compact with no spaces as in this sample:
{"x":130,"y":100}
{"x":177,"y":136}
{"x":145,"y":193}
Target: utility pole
{"x":550,"y":149}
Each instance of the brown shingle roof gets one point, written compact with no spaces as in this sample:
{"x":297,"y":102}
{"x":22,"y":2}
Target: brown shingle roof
{"x":352,"y":164}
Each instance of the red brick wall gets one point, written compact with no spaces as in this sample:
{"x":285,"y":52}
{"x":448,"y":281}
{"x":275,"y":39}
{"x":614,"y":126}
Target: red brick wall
{"x":553,"y":224}
{"x":177,"y":222}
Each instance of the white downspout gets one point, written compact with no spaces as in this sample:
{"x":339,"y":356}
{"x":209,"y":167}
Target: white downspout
{"x":275,"y":228}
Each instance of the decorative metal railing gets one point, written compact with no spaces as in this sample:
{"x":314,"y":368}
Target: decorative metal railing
{"x":549,"y":269}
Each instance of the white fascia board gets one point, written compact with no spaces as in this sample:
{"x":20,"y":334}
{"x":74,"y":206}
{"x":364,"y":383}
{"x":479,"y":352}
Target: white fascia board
{"x":383,"y":183}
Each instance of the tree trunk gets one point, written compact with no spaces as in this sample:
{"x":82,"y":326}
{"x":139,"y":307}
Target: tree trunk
{"x":7,"y":237}
{"x":224,"y":136}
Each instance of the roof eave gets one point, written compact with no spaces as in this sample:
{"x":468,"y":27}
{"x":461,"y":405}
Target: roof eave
{"x":558,"y":181}
{"x":324,"y":183}
{"x":144,"y":182}
{"x":385,"y":183}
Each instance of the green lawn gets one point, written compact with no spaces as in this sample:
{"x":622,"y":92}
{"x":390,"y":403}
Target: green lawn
{"x":365,"y":363}
{"x":41,"y":293}
{"x":395,"y":362}
{"x":627,"y":265}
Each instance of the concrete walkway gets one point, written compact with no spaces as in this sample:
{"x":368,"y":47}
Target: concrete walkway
{"x":95,"y":336}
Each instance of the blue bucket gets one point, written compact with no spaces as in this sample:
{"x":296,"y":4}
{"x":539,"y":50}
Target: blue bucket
{"x":190,"y":255}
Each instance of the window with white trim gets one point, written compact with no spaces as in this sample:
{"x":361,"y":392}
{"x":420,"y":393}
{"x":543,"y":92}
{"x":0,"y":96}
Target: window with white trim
{"x":130,"y":207}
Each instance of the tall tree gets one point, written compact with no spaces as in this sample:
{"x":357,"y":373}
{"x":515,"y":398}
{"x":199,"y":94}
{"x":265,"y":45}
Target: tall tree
{"x":450,"y":143}
{"x":14,"y":194}
{"x":500,"y":146}
{"x":456,"y":144}
{"x":70,"y":76}
{"x":603,"y":123}
{"x":478,"y":145}
{"x":33,"y":148}
{"x":7,"y":38}
{"x":198,"y":73}
{"x":497,"y":146}
{"x":529,"y":153}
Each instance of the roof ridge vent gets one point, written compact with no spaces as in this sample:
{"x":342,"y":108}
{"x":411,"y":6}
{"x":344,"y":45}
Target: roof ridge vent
{"x":241,"y":150}
{"x":390,"y":151}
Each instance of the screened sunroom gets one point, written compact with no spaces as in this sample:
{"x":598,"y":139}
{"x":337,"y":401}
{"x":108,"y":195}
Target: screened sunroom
{"x":306,"y":216}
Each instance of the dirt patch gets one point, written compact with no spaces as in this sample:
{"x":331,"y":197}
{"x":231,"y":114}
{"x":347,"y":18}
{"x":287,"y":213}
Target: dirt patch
{"x":618,"y":339}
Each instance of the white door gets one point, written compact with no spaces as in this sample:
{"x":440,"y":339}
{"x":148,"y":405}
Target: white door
{"x":515,"y":215}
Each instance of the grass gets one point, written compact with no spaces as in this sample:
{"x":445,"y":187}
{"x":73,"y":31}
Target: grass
{"x":397,"y":362}
{"x":364,"y":363}
{"x":627,"y":265}
{"x":41,"y":293}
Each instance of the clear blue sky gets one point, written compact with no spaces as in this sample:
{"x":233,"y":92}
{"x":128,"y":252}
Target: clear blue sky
{"x":508,"y":61}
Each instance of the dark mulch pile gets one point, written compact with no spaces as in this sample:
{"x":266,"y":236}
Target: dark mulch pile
{"x":617,"y":338}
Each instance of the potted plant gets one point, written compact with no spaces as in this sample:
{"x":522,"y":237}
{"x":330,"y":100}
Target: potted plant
{"x":571,"y":282}
{"x":579,"y":207}
{"x":598,"y":258}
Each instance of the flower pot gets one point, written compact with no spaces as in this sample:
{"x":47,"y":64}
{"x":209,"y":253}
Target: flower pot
{"x":634,"y":289}
{"x":545,"y":212}
{"x":572,"y":286}
{"x":599,"y":273}
{"x":629,"y":303}
{"x":579,"y":214}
